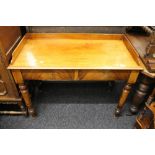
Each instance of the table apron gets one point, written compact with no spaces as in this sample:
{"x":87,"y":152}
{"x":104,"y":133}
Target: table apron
{"x":77,"y":75}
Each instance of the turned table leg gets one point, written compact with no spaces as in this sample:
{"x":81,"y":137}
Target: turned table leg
{"x":27,"y":99}
{"x":140,"y":94}
{"x":132,"y":79}
{"x":24,"y":91}
{"x":123,"y":98}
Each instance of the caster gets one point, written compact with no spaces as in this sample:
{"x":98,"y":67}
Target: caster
{"x":32,"y":112}
{"x":117,"y":112}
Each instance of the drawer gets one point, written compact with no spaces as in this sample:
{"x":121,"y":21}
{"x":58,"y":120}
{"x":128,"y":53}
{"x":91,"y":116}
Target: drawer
{"x":58,"y":75}
{"x":104,"y":75}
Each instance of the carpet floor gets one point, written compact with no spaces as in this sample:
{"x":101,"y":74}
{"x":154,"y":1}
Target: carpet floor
{"x":74,"y":105}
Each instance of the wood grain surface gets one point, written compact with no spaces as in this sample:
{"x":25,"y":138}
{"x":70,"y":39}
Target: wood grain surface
{"x":73,"y":51}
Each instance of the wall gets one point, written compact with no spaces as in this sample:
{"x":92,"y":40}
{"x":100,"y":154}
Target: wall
{"x":76,"y":29}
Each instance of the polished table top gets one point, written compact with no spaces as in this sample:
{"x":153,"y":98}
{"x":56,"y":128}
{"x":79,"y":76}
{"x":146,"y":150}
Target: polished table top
{"x":73,"y":51}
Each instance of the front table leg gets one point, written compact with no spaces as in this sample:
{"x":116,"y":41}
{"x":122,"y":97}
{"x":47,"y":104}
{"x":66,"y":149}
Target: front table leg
{"x":132,"y":79}
{"x":123,"y":98}
{"x":24,"y":91}
{"x":27,"y":99}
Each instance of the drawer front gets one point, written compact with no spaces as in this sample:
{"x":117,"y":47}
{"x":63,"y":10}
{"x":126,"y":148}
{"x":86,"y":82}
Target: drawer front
{"x":104,"y":75}
{"x":48,"y":74}
{"x":75,"y":75}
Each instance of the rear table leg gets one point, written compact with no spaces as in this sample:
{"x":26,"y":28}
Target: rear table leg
{"x":21,"y":106}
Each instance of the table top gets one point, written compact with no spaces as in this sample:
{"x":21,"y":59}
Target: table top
{"x":74,"y":51}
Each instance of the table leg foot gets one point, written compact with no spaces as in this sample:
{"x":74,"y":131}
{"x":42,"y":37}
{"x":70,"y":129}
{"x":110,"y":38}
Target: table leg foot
{"x":117,"y":112}
{"x":32,"y":112}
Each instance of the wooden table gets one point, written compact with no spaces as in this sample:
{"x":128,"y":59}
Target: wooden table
{"x":75,"y":57}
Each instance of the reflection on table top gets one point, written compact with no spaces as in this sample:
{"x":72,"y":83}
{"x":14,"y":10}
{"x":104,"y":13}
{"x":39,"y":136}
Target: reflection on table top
{"x":55,"y":51}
